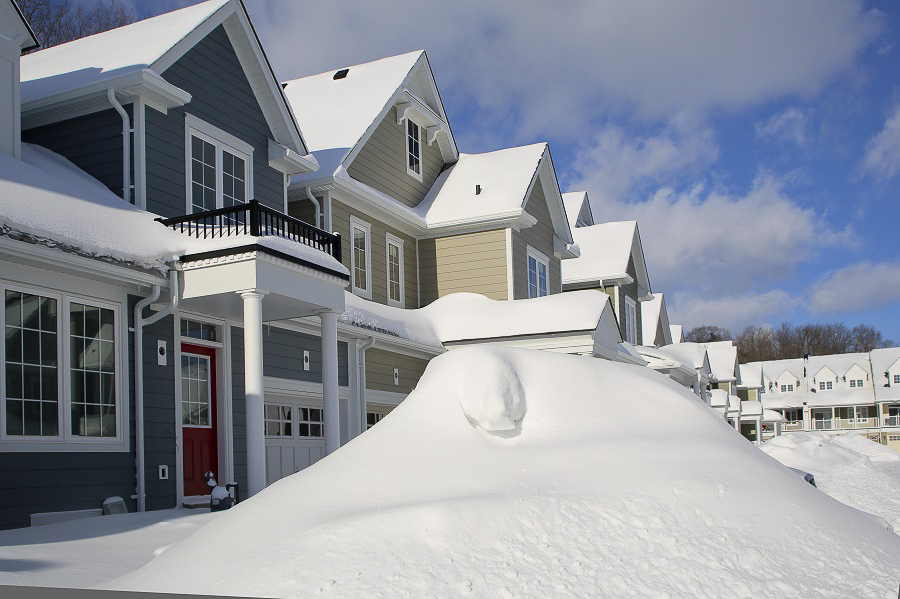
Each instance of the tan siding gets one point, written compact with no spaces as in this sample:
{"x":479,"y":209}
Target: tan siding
{"x":303,"y":210}
{"x":474,"y":262}
{"x":381,"y":163}
{"x":540,"y":237}
{"x":380,"y":366}
{"x":340,"y":222}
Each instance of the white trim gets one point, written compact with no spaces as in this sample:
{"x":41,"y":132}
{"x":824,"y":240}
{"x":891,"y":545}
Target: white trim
{"x":367,"y":228}
{"x":65,"y":440}
{"x":384,"y":398}
{"x":223,"y":142}
{"x":398,"y":243}
{"x":510,"y":267}
{"x":406,"y":154}
{"x":631,"y":332}
{"x":540,"y":260}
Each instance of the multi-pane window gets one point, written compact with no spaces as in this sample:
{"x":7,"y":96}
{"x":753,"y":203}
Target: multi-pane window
{"x":538,"y":269}
{"x":856,"y":383}
{"x":195,"y":390}
{"x":793,"y":416}
{"x":413,"y":149}
{"x":630,"y":321}
{"x":373,"y":418}
{"x":825,"y":385}
{"x":203,"y":175}
{"x":278,"y":420}
{"x":361,"y":258}
{"x":394,"y":270}
{"x":897,"y":379}
{"x":59,"y":359}
{"x":218,"y":166}
{"x":311,"y":422}
{"x":31,"y":365}
{"x":787,"y":388}
{"x":93,"y":370}
{"x":199,"y":330}
{"x":233,"y":180}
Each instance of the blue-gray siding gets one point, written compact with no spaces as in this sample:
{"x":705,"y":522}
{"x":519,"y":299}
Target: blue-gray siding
{"x":221,"y":96}
{"x":283,"y":356}
{"x":92,"y":142}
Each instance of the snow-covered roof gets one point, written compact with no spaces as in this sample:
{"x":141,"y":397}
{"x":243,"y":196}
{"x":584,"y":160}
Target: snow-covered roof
{"x":842,"y":396}
{"x":751,"y":376}
{"x":605,"y":251}
{"x":655,"y":318}
{"x":722,"y":360}
{"x":772,"y":416}
{"x":114,"y":58}
{"x":751,"y":408}
{"x":49,"y":200}
{"x":689,"y":353}
{"x":772,"y":369}
{"x":578,"y":209}
{"x":21,"y":33}
{"x":718,"y":398}
{"x":885,"y":360}
{"x":677,"y":333}
{"x":470,"y":316}
{"x":782,"y":401}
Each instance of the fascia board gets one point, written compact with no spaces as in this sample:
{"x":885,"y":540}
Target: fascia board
{"x":379,"y":204}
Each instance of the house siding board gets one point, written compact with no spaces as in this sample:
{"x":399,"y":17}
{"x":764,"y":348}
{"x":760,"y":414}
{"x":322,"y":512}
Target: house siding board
{"x":381,"y":163}
{"x":221,"y":96}
{"x":380,"y":366}
{"x":159,"y":415}
{"x":283,"y":356}
{"x":340,"y":222}
{"x":472,"y":262}
{"x":540,"y":237}
{"x":92,"y":142}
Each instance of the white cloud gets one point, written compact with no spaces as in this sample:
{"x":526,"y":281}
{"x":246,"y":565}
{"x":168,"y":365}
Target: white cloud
{"x":791,"y":126}
{"x":882,"y":157}
{"x":733,"y":312}
{"x":861,"y":286}
{"x":551,"y":67}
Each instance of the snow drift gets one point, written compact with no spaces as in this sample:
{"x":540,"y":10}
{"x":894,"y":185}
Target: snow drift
{"x":612,"y":482}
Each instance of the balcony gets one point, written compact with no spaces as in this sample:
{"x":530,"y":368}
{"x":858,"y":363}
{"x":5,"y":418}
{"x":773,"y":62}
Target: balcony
{"x":822,"y":425}
{"x":796,"y":425}
{"x":891,"y":421}
{"x":255,"y":220}
{"x":845,"y":423}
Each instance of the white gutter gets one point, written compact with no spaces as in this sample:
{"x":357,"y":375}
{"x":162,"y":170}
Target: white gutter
{"x":126,"y":144}
{"x":315,"y":202}
{"x":361,"y":378}
{"x":139,"y":323}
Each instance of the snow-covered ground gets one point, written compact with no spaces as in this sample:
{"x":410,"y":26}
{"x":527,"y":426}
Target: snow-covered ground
{"x":507,"y":473}
{"x":861,"y":473}
{"x":513,"y":473}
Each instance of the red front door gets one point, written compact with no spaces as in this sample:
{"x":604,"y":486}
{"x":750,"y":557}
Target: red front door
{"x":198,"y":416}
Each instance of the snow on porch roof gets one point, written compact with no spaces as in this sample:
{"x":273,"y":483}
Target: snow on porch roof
{"x":503,"y":176}
{"x":109,"y":54}
{"x":334,"y":113}
{"x":605,"y":251}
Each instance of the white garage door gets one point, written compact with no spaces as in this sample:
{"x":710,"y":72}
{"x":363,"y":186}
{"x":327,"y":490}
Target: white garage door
{"x":294,"y":435}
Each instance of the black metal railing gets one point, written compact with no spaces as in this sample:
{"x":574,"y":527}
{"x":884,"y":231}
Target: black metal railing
{"x":257,"y":220}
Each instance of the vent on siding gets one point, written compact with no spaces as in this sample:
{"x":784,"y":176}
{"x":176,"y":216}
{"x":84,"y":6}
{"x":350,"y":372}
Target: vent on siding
{"x":341,"y":74}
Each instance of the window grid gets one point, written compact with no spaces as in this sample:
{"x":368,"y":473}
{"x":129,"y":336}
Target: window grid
{"x":373,"y":418}
{"x":630,"y":321}
{"x":195,"y":390}
{"x":413,"y":148}
{"x":233,"y":183}
{"x":897,"y":379}
{"x":199,"y":330}
{"x":537,"y":274}
{"x":203,"y":175}
{"x":856,"y":383}
{"x":394,"y":270}
{"x":278,"y":420}
{"x":359,"y":254}
{"x":93,"y":370}
{"x":30,"y":335}
{"x":311,"y":422}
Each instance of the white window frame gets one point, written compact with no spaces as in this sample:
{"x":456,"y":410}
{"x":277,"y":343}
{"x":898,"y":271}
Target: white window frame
{"x":896,"y":379}
{"x":407,"y":140}
{"x":222,"y":140}
{"x":356,"y":223}
{"x":630,"y":323}
{"x":540,"y":259}
{"x":65,"y":440}
{"x":398,"y":243}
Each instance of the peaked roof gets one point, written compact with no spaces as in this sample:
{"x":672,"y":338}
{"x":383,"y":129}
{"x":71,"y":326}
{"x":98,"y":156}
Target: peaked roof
{"x":125,"y":56}
{"x":677,"y":331}
{"x":689,"y":353}
{"x":655,"y":318}
{"x":883,"y":360}
{"x":23,"y":35}
{"x":723,"y":361}
{"x":605,"y":251}
{"x":340,"y":108}
{"x":578,"y":209}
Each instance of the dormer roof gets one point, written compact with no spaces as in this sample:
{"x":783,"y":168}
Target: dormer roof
{"x":605,"y":251}
{"x":578,"y":209}
{"x":655,"y":319}
{"x":339,"y":109}
{"x":132,"y":59}
{"x":15,"y":26}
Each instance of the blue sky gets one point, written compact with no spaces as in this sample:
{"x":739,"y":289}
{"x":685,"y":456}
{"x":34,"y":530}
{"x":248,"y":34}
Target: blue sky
{"x":757,"y":144}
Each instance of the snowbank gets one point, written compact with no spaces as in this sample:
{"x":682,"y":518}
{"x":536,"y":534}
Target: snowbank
{"x":855,"y":471}
{"x":47,"y":197}
{"x":614,"y":482}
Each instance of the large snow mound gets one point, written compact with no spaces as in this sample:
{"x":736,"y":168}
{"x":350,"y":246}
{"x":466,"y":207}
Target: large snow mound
{"x":855,"y":471}
{"x":613,"y":482}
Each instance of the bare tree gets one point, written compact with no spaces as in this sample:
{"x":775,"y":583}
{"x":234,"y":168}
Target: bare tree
{"x":756,"y":343}
{"x":58,"y":21}
{"x":706,"y":333}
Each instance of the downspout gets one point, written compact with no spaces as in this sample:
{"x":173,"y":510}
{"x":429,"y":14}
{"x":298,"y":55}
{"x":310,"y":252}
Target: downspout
{"x":327,"y":212}
{"x":126,"y":144}
{"x":315,"y":202}
{"x":139,"y":323}
{"x":361,"y":378}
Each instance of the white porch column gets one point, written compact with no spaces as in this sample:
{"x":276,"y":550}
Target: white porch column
{"x":759,"y":431}
{"x":330,"y":381}
{"x":807,"y":424}
{"x":253,"y":391}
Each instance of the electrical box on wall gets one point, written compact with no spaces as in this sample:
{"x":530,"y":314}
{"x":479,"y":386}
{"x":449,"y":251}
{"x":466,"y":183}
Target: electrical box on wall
{"x":396,"y":376}
{"x":305,"y":360}
{"x":163,"y":472}
{"x":161,"y":352}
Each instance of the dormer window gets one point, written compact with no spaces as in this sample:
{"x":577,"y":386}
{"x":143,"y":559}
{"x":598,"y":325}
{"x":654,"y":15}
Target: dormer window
{"x":538,"y":272}
{"x":897,"y":379}
{"x":219,"y":172}
{"x":856,"y":383}
{"x":413,"y":149}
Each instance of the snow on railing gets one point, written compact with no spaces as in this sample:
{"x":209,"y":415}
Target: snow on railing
{"x":257,"y":220}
